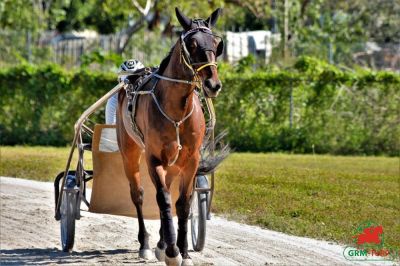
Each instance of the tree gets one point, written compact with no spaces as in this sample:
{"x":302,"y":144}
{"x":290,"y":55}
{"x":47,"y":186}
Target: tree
{"x":126,"y":16}
{"x":20,"y":15}
{"x":336,"y":28}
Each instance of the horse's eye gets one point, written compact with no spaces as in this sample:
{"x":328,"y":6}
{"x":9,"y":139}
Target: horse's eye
{"x":193,"y":44}
{"x":216,"y":42}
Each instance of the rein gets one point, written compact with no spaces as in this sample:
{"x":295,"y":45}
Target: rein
{"x":175,"y":80}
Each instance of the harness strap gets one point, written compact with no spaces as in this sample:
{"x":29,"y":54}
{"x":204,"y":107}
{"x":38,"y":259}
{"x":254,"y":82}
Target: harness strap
{"x":175,"y":123}
{"x":196,"y":80}
{"x":175,"y":80}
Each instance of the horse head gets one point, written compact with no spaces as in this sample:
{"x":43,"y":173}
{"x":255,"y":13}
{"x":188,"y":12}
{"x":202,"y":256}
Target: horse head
{"x":200,"y":49}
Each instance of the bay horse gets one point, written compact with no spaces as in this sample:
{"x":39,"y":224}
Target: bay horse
{"x":172,"y":124}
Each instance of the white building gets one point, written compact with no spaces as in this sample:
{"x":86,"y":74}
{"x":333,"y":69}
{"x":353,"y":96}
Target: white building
{"x":241,"y":44}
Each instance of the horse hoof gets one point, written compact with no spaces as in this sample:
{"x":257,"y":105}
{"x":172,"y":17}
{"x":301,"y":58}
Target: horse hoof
{"x":175,"y":261}
{"x":160,"y":254}
{"x":187,"y":262}
{"x":146,"y":254}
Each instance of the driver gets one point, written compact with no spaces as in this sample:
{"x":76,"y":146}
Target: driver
{"x":111,"y":108}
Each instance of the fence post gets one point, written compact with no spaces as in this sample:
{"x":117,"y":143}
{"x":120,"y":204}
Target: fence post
{"x":285,"y":29}
{"x":81,"y":50}
{"x":291,"y":106}
{"x":29,"y":46}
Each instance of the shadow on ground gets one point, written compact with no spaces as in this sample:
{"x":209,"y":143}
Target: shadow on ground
{"x":43,"y":256}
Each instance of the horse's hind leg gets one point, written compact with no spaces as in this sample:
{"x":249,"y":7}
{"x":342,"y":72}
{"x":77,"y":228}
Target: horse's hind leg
{"x":132,"y":172}
{"x":137,"y":198}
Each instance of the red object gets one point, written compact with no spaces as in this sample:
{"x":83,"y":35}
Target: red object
{"x":370,"y":235}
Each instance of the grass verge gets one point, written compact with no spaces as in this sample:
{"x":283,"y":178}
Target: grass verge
{"x":38,"y":163}
{"x":320,"y":196}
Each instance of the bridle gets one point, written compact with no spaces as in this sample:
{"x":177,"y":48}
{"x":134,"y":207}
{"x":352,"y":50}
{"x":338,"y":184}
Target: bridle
{"x":185,"y":56}
{"x":188,"y":62}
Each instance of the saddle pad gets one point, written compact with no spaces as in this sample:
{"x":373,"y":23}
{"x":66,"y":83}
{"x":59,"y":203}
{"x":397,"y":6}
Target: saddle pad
{"x":111,"y":190}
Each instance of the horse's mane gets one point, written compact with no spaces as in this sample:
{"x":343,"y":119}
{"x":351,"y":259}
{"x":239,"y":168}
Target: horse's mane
{"x":164,"y":63}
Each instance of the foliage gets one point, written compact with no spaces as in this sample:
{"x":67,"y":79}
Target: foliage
{"x":245,"y":64}
{"x":325,"y":29}
{"x":334,"y":111}
{"x":320,"y":28}
{"x":328,"y":30}
{"x":19,"y":15}
{"x":41,"y":104}
{"x":98,"y":59}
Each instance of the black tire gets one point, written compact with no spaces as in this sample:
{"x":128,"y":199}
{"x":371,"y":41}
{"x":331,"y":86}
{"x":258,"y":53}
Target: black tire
{"x":68,"y":211}
{"x":198,"y":220}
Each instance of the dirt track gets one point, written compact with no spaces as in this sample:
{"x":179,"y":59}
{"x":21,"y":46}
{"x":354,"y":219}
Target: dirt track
{"x":30,"y":235}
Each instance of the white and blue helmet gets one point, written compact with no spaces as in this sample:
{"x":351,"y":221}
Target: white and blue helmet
{"x":131,"y":65}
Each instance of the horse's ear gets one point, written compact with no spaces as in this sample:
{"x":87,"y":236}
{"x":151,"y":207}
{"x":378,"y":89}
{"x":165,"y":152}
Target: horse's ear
{"x":214,"y":17}
{"x":183,"y":20}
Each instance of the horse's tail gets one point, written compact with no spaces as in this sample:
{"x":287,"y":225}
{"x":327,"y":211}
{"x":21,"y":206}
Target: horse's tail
{"x":212,"y":157}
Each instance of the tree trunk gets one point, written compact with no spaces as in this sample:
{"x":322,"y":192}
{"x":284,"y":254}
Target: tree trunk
{"x":129,"y":33}
{"x":145,"y":16}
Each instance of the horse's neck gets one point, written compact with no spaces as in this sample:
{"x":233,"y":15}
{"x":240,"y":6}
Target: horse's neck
{"x":177,"y":98}
{"x":176,"y":67}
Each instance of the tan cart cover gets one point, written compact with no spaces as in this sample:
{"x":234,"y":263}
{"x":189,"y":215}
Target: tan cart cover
{"x":110,"y":190}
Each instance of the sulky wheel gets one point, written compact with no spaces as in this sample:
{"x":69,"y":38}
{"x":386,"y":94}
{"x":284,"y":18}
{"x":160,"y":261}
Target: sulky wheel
{"x":199,"y":215}
{"x":68,"y":210}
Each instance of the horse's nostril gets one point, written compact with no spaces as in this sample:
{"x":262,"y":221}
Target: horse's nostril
{"x":208,"y":83}
{"x":212,"y":85}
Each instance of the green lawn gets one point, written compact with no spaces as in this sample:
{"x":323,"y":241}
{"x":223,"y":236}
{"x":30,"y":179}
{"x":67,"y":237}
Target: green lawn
{"x":324,"y":197}
{"x":38,"y":163}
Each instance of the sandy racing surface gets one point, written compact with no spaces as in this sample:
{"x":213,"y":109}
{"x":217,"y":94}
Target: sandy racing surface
{"x":30,"y":235}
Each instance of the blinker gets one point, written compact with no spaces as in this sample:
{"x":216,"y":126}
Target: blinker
{"x":206,"y":46}
{"x":220,"y":48}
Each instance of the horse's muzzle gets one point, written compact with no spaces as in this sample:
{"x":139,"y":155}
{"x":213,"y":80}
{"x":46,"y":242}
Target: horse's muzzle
{"x":212,"y":87}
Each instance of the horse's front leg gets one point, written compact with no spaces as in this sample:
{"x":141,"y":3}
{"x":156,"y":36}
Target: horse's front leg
{"x":158,"y":174}
{"x":161,"y":245}
{"x":183,"y":207}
